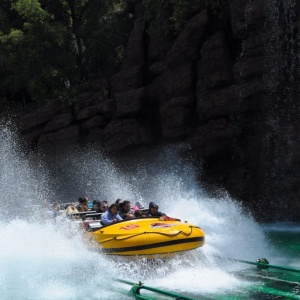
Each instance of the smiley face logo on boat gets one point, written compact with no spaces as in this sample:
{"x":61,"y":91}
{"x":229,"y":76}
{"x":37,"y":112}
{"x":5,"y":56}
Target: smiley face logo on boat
{"x":160,"y":225}
{"x":130,"y":226}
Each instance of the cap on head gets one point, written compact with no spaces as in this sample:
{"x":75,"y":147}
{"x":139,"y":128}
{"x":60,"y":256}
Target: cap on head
{"x":153,"y":204}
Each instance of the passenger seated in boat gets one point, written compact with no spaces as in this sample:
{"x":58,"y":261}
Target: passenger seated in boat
{"x":103,"y":206}
{"x":100,"y":207}
{"x":95,"y":207}
{"x":83,"y":204}
{"x":119,"y":203}
{"x":139,"y":214}
{"x":137,"y":209}
{"x":125,"y":211}
{"x":96,"y":204}
{"x":153,"y":211}
{"x":55,"y":209}
{"x":111,"y":215}
{"x":71,"y":209}
{"x":138,"y":205}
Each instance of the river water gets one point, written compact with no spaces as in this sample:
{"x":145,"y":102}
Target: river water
{"x":40,"y":259}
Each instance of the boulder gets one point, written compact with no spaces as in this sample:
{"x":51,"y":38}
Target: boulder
{"x":215,"y":66}
{"x":130,"y":103}
{"x":96,"y":121}
{"x":39,"y":117}
{"x":60,"y":140}
{"x":94,"y":136}
{"x":107,"y":108}
{"x":122,"y":133}
{"x":250,"y":67}
{"x":229,"y":101}
{"x":177,"y":116}
{"x":176,"y":80}
{"x":84,"y":99}
{"x":128,"y":79}
{"x":156,"y":68}
{"x":187,"y":44}
{"x":59,"y":121}
{"x":134,"y":53}
{"x":87,"y":112}
{"x":99,"y":84}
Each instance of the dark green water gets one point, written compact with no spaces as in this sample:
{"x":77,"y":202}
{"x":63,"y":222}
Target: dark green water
{"x":273,"y":283}
{"x":286,"y":238}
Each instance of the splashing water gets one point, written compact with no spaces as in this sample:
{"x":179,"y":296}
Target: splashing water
{"x":40,"y":259}
{"x":23,"y":178}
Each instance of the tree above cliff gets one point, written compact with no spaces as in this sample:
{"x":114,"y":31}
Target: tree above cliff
{"x":49,"y":47}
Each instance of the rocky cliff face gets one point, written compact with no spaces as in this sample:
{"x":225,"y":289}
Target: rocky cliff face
{"x":227,"y":85}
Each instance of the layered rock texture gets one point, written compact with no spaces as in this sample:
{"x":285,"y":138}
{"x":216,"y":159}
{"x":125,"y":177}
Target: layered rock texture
{"x":227,"y":85}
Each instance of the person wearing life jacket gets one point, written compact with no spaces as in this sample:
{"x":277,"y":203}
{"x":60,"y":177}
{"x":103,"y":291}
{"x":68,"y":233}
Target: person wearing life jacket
{"x":153,"y":210}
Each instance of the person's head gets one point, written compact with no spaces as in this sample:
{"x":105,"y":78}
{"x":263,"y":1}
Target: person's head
{"x":119,"y":203}
{"x":153,"y":208}
{"x":96,"y":204}
{"x":126,"y":206}
{"x":71,"y":206}
{"x":82,"y":200}
{"x":113,"y":208}
{"x":71,"y":209}
{"x":56,"y":206}
{"x":103,"y":205}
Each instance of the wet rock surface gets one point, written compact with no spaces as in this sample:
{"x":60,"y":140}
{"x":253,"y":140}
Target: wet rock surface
{"x":213,"y":87}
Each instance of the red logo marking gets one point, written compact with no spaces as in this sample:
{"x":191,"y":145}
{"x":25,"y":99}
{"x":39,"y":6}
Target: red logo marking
{"x":160,"y":225}
{"x":128,"y":227}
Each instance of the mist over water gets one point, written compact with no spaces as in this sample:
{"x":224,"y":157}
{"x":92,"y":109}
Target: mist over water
{"x":42,"y":259}
{"x":23,"y":177}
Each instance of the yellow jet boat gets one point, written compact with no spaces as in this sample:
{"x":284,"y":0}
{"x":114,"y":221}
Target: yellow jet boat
{"x":151,"y":237}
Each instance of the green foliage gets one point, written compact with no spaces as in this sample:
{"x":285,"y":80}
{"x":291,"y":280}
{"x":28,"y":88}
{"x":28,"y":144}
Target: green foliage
{"x":166,"y":16}
{"x":219,"y":7}
{"x":49,"y":47}
{"x":30,"y":10}
{"x":179,"y":17}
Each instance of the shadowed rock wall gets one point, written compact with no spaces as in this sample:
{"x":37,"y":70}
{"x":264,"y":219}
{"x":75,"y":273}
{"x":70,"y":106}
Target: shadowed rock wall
{"x":226,"y":85}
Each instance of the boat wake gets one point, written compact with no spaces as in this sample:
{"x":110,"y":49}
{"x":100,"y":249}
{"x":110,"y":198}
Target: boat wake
{"x":51,"y":261}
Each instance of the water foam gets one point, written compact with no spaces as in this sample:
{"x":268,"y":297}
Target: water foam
{"x":39,"y":260}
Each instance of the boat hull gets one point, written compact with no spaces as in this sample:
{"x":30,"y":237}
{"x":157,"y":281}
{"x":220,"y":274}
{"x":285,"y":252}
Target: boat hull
{"x":148,"y":237}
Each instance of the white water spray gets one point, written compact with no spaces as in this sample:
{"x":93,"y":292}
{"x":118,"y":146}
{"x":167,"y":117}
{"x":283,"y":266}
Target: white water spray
{"x":40,"y":259}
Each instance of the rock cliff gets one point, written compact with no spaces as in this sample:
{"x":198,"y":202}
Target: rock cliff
{"x":227,"y":85}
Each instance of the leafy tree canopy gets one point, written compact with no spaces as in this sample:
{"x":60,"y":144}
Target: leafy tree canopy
{"x":49,"y":47}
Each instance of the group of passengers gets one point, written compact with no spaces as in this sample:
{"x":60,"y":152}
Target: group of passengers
{"x":108,"y":214}
{"x":123,"y":211}
{"x":117,"y":211}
